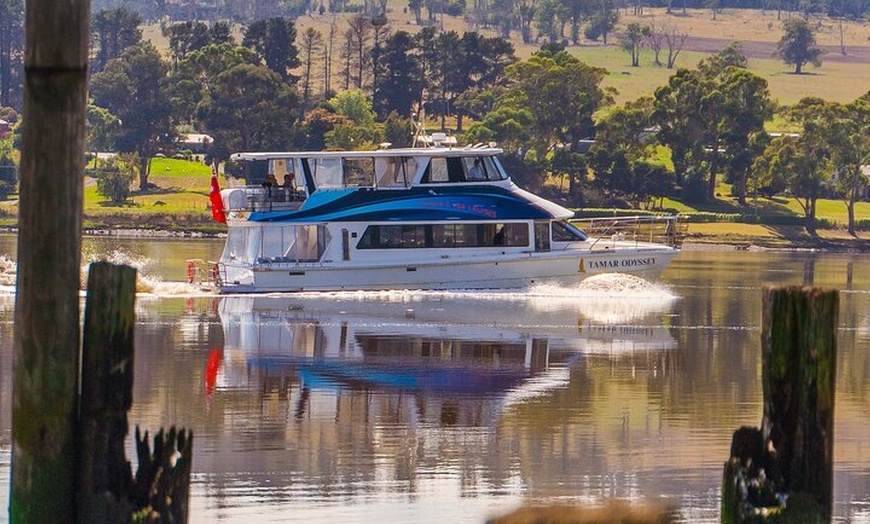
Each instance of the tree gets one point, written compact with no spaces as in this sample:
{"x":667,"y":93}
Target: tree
{"x":8,"y":171}
{"x":561,"y":93}
{"x":102,"y":128}
{"x":798,"y":45}
{"x":849,"y":141}
{"x":358,"y":39}
{"x":274,"y":40}
{"x":185,"y":37}
{"x":354,"y":105}
{"x":133,"y":87}
{"x":803,"y":159}
{"x":634,"y":41}
{"x":195,"y":76}
{"x":603,"y":21}
{"x":675,"y":41}
{"x":703,"y":114}
{"x":747,"y":106}
{"x":311,"y":45}
{"x":248,"y":108}
{"x":115,"y":177}
{"x":401,"y":80}
{"x":112,"y":32}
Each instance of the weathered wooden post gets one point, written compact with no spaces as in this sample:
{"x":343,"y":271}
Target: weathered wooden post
{"x":107,"y":492}
{"x":785,"y":469}
{"x":799,"y":363}
{"x":46,"y":347}
{"x":107,"y":394}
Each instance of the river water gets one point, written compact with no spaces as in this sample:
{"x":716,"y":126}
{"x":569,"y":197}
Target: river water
{"x":410,"y":407}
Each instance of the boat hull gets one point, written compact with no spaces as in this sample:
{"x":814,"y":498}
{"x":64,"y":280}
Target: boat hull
{"x":514,"y":270}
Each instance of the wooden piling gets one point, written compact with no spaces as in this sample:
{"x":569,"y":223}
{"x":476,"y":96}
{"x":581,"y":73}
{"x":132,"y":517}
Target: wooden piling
{"x":799,"y":357}
{"x":106,"y":394}
{"x":783,"y":472}
{"x":46,"y":334}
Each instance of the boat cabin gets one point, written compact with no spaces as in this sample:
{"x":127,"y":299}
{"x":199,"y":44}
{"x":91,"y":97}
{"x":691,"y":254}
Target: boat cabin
{"x":283,"y":181}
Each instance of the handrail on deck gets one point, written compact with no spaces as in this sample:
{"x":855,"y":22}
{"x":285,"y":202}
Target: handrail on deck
{"x":604,"y":228}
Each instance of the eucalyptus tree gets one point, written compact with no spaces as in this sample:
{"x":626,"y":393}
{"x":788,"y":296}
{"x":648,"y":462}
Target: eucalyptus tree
{"x":449,"y":75}
{"x":803,"y":159}
{"x":561,"y":93}
{"x":848,"y":133}
{"x":380,"y":32}
{"x":623,"y":155}
{"x":797,"y":46}
{"x":705,"y":116}
{"x":194,"y":78}
{"x":634,"y":40}
{"x":134,"y":88}
{"x":112,"y":31}
{"x":274,"y":40}
{"x":249,"y":107}
{"x":186,"y":37}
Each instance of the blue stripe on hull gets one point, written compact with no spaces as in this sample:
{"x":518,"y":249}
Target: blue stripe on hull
{"x":430,"y":204}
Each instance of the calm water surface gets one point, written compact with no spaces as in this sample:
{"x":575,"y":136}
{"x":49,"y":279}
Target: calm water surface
{"x":453,"y":407}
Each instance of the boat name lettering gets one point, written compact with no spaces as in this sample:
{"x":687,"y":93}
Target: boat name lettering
{"x":471,"y":208}
{"x":623,"y":263}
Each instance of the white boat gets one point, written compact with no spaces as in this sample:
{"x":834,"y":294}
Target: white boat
{"x":413,"y":218}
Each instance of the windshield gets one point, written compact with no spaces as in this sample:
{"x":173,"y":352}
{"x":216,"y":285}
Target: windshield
{"x":565,"y":232}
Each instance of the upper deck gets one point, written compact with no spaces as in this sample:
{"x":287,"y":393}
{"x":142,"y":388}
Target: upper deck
{"x":285,"y":181}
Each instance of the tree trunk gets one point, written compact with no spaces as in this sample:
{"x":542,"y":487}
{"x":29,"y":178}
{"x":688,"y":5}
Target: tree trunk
{"x":46,"y":347}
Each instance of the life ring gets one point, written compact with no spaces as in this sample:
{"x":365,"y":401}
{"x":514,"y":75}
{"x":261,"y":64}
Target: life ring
{"x":191,"y":271}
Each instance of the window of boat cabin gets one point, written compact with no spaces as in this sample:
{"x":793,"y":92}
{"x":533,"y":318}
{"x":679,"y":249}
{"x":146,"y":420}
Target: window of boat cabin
{"x":445,"y":235}
{"x":394,"y":172}
{"x":327,"y":172}
{"x":275,"y":244}
{"x":443,"y":170}
{"x":482,"y":168}
{"x":566,"y":232}
{"x":359,"y":172}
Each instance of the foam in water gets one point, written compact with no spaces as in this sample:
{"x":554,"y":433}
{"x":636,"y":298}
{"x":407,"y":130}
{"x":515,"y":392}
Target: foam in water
{"x":8,"y":268}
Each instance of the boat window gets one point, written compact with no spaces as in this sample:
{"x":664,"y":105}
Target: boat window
{"x":327,"y":173}
{"x":308,"y":243}
{"x":391,"y":173}
{"x":474,"y":169}
{"x":359,"y":172}
{"x":565,"y":232}
{"x":542,"y":236}
{"x":437,"y":171}
{"x":443,"y":170}
{"x":494,"y":170}
{"x":445,"y":235}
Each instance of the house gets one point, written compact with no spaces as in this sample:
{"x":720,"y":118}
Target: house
{"x":197,"y":143}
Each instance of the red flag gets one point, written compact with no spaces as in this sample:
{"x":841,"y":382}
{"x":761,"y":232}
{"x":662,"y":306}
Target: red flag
{"x":217,"y":203}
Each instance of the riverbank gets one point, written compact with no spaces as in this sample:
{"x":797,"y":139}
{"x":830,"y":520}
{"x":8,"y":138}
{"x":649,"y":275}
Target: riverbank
{"x":719,"y":236}
{"x":728,"y":235}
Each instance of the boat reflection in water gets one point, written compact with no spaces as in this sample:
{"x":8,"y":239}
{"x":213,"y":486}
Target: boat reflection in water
{"x":464,"y":356}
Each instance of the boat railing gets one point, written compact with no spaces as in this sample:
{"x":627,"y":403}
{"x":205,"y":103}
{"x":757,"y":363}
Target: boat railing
{"x":604,"y":231}
{"x":264,"y":199}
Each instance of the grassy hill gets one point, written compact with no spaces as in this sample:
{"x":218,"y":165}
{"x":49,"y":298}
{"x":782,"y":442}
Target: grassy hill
{"x":842,"y":77}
